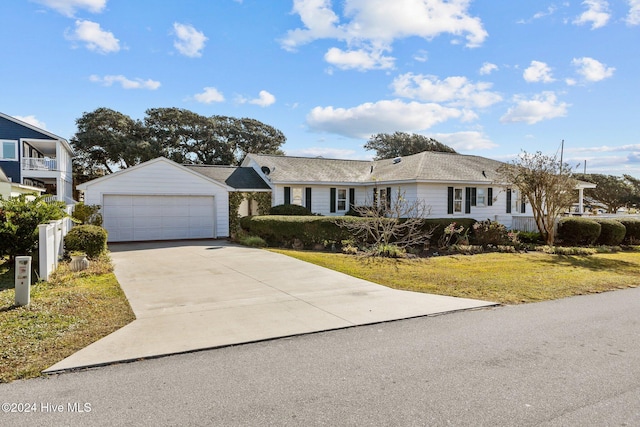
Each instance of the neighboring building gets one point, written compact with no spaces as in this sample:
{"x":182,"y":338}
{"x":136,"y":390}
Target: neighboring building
{"x":34,"y":157}
{"x":10,"y":189}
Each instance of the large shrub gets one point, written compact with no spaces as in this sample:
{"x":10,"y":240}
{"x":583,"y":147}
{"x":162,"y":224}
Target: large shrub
{"x":488,"y":232}
{"x":295,"y":210}
{"x":578,"y":231}
{"x":611,"y":232}
{"x":89,"y":239}
{"x":632,"y":225}
{"x":87,"y":214}
{"x":19,"y":220}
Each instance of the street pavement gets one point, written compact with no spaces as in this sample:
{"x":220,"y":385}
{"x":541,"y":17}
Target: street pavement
{"x":571,"y":362}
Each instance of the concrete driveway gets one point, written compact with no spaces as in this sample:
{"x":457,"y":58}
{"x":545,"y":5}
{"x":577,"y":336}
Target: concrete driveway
{"x":194,"y":295}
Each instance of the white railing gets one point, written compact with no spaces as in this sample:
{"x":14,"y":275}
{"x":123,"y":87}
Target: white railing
{"x":524,"y":223}
{"x":39,"y":164}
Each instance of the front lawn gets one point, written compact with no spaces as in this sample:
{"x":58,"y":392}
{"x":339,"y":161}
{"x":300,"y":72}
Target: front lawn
{"x":66,"y":314}
{"x":506,"y":278}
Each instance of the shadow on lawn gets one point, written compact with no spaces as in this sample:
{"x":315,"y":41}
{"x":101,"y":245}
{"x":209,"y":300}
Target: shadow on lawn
{"x":595,"y":263}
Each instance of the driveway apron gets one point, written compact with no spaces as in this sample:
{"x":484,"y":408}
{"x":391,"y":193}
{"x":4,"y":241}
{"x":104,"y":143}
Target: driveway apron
{"x":195,"y":295}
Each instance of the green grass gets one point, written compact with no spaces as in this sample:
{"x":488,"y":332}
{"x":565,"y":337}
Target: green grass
{"x":507,"y":278}
{"x":66,"y":314}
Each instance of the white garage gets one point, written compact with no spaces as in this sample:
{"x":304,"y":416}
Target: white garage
{"x":160,"y":200}
{"x":142,"y":217}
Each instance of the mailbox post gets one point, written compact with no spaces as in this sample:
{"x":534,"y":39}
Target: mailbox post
{"x":23,"y":280}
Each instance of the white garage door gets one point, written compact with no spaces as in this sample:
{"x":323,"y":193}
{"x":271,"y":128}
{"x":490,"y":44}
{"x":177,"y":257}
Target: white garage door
{"x":135,"y":218}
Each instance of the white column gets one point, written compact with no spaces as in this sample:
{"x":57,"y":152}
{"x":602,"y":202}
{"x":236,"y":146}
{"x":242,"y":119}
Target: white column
{"x":580,"y":201}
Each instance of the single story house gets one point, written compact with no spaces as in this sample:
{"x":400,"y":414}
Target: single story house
{"x":160,"y":199}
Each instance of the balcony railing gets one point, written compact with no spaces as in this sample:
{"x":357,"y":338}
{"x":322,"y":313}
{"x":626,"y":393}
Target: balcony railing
{"x":39,"y":164}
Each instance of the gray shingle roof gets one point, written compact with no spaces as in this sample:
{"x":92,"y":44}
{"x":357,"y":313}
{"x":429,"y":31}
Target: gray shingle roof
{"x":425,"y":166}
{"x":236,"y":177}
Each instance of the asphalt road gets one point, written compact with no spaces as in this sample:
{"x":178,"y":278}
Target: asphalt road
{"x":573,"y":362}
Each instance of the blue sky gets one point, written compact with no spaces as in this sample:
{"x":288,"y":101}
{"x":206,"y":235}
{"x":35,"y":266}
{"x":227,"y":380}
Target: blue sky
{"x":485,"y":77}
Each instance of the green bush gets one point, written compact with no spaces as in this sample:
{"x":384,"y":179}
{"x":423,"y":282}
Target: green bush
{"x":294,"y":210}
{"x":530,"y":237}
{"x":578,"y":231}
{"x":87,"y":214}
{"x":388,"y":251}
{"x":632,"y":237}
{"x":89,"y":239}
{"x":611,"y":232}
{"x":19,"y":220}
{"x":253,"y":241}
{"x":282,"y":230}
{"x":489,"y":232}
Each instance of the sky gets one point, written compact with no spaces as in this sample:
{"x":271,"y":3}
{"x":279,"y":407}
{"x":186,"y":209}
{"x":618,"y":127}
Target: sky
{"x":488,"y":78}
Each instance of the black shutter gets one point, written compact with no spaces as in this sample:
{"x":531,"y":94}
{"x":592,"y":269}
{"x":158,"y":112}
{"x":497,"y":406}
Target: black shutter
{"x":467,"y":200}
{"x":307,"y":197}
{"x":523,"y":206}
{"x":474,"y":196}
{"x":332,"y":200}
{"x":388,"y":201}
{"x":508,"y":200}
{"x":287,"y":195}
{"x":490,"y":197}
{"x":352,"y":197}
{"x":450,"y":200}
{"x":375,"y":197}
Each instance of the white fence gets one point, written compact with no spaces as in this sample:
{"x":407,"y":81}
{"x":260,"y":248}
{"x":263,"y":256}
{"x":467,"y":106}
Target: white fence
{"x":51,"y":244}
{"x":528,"y":223}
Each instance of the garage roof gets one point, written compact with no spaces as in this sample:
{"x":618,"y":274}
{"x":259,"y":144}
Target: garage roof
{"x":239,"y":178}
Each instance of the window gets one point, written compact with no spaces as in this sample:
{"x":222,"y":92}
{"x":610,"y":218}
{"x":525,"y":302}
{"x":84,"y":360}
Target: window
{"x":457,"y":200}
{"x":481,"y":198}
{"x":342,"y":199}
{"x":8,"y":150}
{"x":296,"y":196}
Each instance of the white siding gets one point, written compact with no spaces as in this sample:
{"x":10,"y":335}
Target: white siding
{"x":162,"y":177}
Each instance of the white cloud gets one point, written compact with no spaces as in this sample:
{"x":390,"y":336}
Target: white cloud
{"x":455,"y":91}
{"x":94,"y":37}
{"x":597,"y":14}
{"x":467,"y":141}
{"x":542,"y":106}
{"x":209,"y":95}
{"x":371,"y":26}
{"x":32,"y":121}
{"x":264,"y":99}
{"x":125,"y":83}
{"x":592,"y":70}
{"x":189,"y":41}
{"x":382,"y":116}
{"x":633,"y":17}
{"x":359,"y":59}
{"x":488,"y":68}
{"x":605,"y":148}
{"x":69,"y":7}
{"x":538,"y":72}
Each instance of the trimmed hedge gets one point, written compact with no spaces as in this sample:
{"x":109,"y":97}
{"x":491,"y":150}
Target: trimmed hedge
{"x":89,"y":239}
{"x":632,"y":237}
{"x":611,"y":232}
{"x":282,"y":230}
{"x":294,"y":210}
{"x":578,"y":231}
